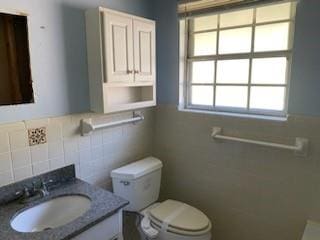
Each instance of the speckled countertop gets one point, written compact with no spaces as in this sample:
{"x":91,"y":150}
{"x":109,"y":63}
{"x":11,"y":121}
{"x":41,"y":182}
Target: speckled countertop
{"x":103,"y":205}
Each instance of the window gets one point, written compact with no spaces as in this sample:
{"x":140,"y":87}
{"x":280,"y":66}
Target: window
{"x":238,"y":61}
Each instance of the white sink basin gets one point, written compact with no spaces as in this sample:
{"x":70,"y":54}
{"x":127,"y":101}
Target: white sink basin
{"x":51,"y":214}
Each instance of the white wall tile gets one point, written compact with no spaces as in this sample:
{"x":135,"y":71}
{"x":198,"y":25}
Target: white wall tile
{"x":110,"y":148}
{"x":96,"y":138}
{"x":70,"y":130}
{"x":76,"y":118}
{"x":4,"y":142}
{"x":70,"y":145}
{"x":98,"y":165}
{"x":21,"y":158}
{"x":36,"y":123}
{"x":5,"y":162}
{"x":86,"y":169}
{"x":40,"y":167}
{"x":11,"y":127}
{"x":78,"y":173}
{"x":18,"y":139}
{"x":60,"y":120}
{"x":85,"y":156}
{"x":55,"y":149}
{"x":56,"y":163}
{"x":54,"y":132}
{"x":72,"y":158}
{"x":107,"y":135}
{"x":97,"y":152}
{"x":22,"y":173}
{"x":39,"y":153}
{"x":84,"y":143}
{"x":117,"y":133}
{"x":6,"y":178}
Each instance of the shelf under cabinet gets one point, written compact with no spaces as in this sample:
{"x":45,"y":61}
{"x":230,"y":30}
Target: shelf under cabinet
{"x":123,"y":98}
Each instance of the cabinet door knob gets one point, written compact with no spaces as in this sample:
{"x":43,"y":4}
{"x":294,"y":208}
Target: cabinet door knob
{"x":136,"y":71}
{"x":129,"y":71}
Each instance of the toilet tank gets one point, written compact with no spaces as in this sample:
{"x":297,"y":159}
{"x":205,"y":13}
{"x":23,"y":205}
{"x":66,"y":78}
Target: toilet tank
{"x":138,"y":182}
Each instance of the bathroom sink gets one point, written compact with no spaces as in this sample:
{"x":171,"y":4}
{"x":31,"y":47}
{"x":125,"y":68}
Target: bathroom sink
{"x":51,"y":214}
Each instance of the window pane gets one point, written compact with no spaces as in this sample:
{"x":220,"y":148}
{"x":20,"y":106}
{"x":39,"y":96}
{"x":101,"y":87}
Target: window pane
{"x":270,"y":98}
{"x":274,"y":13}
{"x":202,"y":95}
{"x":269,"y":70}
{"x":205,"y":23}
{"x":236,"y":18}
{"x":231,"y":96}
{"x":233,"y":71}
{"x":272,"y":37}
{"x":203,"y":72}
{"x":205,"y":43}
{"x":235,"y":40}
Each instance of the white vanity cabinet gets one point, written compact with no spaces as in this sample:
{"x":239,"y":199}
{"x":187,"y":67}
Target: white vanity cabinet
{"x":108,"y":229}
{"x":121,"y":60}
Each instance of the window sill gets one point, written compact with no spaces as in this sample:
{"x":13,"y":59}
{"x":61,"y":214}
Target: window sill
{"x":238,"y":115}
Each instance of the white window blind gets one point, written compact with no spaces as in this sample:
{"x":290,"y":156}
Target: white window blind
{"x":196,"y":6}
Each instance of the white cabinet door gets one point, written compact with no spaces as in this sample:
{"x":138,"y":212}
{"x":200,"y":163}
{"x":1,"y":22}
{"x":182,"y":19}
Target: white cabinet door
{"x":144,"y":50}
{"x":118,"y":52}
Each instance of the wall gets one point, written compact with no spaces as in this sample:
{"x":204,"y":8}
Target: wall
{"x":165,"y":12}
{"x":249,"y":192}
{"x":305,"y":82}
{"x":94,"y":156}
{"x":58,"y":54}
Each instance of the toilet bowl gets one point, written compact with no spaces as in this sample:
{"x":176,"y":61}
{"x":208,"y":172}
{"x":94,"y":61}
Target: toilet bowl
{"x":139,"y":182}
{"x":174,"y":220}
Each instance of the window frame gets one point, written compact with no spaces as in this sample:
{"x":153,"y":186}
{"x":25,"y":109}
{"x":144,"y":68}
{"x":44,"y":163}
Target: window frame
{"x":186,"y":47}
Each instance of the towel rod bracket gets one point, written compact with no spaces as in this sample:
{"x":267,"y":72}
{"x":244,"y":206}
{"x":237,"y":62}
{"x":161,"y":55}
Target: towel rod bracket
{"x":302,"y":144}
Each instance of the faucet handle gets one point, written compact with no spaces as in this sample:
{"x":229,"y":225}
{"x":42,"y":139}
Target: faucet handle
{"x":46,"y":184}
{"x":25,"y":192}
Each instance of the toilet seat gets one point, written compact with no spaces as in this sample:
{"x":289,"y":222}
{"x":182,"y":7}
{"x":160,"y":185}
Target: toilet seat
{"x":177,"y":217}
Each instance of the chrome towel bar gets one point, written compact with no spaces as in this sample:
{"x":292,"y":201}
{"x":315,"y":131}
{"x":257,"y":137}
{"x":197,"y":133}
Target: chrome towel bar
{"x":300,"y":147}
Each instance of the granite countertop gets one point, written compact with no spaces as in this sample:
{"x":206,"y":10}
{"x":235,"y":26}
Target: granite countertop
{"x":103,"y":205}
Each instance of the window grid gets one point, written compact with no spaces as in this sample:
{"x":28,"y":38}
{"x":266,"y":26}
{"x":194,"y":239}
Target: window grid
{"x":250,"y":60}
{"x":237,"y":56}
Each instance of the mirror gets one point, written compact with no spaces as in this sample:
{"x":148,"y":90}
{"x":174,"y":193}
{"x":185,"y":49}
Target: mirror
{"x":15,"y":70}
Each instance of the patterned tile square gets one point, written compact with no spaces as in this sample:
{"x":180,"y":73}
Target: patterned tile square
{"x":37,"y":136}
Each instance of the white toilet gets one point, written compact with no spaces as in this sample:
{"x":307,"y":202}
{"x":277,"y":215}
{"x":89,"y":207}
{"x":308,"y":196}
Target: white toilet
{"x":139,"y":182}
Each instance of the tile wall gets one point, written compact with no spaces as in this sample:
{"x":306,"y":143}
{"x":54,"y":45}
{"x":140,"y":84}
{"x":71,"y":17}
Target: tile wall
{"x":249,"y":192}
{"x":94,"y":156}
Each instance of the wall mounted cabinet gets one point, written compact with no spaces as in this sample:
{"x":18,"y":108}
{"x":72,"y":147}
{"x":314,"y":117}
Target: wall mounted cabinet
{"x":121,"y":60}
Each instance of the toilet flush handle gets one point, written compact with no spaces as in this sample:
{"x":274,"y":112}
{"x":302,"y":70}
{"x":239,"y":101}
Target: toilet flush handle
{"x":125,"y":183}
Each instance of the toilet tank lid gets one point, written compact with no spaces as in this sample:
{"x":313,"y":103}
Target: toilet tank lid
{"x":137,"y":169}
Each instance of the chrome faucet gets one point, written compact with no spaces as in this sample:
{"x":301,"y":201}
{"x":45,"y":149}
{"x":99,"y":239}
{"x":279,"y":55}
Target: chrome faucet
{"x":38,"y":190}
{"x":41,"y":188}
